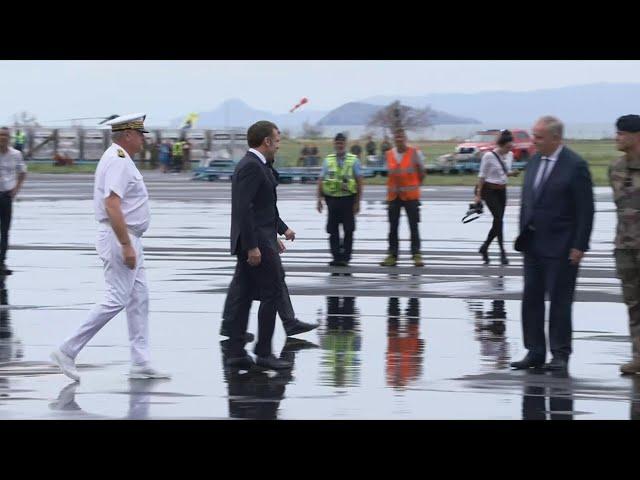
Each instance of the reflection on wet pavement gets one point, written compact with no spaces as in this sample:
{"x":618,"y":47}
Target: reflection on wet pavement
{"x":546,"y":403}
{"x":10,"y":346}
{"x":341,"y":342}
{"x":635,"y":398}
{"x":256,"y":393}
{"x":490,"y":328}
{"x":405,"y":343}
{"x":405,"y":348}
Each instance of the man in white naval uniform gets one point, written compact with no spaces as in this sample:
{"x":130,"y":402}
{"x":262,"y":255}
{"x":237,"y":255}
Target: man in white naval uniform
{"x":121,"y":207}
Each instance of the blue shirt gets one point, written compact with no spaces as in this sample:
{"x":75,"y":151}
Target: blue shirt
{"x":325,"y":166}
{"x":163,"y":151}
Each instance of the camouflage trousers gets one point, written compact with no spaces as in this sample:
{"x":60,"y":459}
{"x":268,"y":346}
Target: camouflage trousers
{"x":628,"y":268}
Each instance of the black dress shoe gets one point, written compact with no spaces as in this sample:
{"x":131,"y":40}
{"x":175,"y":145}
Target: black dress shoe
{"x":527,"y":362}
{"x":273,"y":363}
{"x":503,"y":259}
{"x":557,"y":364}
{"x":248,"y":336}
{"x":244,"y":363}
{"x":300,"y":327}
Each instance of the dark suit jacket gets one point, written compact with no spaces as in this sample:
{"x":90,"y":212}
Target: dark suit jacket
{"x":255,"y":220}
{"x":562,"y":212}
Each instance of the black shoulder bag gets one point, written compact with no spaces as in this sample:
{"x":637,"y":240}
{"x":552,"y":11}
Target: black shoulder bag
{"x":504,"y":169}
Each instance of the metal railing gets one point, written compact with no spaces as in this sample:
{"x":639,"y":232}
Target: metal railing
{"x":86,"y":145}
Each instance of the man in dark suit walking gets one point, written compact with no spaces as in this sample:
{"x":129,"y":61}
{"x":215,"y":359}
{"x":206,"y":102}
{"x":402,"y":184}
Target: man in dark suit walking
{"x":292,"y":326}
{"x":556,"y":217}
{"x":255,"y":222}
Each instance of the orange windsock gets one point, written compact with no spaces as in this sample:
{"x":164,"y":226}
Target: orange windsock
{"x":299,"y":104}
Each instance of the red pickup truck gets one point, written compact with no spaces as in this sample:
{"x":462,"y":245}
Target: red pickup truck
{"x":485,"y":140}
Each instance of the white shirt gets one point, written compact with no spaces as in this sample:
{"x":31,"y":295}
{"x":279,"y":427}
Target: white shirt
{"x":491,"y":170}
{"x":117,"y":173}
{"x":551,"y":163}
{"x":11,"y":163}
{"x":260,"y":156}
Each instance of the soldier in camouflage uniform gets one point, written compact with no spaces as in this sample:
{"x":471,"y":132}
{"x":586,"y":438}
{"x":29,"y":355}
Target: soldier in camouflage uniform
{"x":624,"y":176}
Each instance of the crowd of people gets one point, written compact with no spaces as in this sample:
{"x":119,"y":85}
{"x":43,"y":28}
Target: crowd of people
{"x":555,"y":223}
{"x":310,"y":157}
{"x":170,"y":156}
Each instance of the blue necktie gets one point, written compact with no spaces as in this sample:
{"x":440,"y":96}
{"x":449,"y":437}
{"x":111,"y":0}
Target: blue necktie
{"x":547,"y":162}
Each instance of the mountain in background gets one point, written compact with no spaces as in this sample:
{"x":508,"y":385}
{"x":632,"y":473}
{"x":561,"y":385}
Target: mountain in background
{"x":236,"y":113}
{"x":592,"y":103}
{"x":357,"y":113}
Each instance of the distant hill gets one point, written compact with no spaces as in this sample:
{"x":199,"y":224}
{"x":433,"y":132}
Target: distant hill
{"x":358,"y":113}
{"x":592,"y":103}
{"x":236,"y":113}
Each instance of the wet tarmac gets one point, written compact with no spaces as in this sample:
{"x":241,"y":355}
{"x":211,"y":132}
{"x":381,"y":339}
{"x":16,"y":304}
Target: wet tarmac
{"x":395,"y":343}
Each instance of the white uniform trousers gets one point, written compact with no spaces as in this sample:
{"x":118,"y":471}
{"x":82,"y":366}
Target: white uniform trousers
{"x":126,"y":289}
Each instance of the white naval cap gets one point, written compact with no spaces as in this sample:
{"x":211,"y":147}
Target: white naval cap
{"x":132,"y":121}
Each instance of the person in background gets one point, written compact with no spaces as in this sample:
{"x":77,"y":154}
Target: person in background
{"x":20,"y":140}
{"x":340,"y":185}
{"x":495,"y":168}
{"x":13,"y":171}
{"x":624,"y":177}
{"x":356,"y":150}
{"x":385,"y":145}
{"x":405,"y":167}
{"x":164,"y":156}
{"x":556,"y":218}
{"x":186,"y":155}
{"x":121,"y":207}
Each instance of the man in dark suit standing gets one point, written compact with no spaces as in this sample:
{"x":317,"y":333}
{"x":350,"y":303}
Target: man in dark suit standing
{"x":556,"y":217}
{"x":255,"y":222}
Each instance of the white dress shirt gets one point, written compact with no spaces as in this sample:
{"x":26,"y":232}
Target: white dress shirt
{"x":11,"y":163}
{"x":117,"y":173}
{"x":491,"y":170}
{"x":260,"y":156}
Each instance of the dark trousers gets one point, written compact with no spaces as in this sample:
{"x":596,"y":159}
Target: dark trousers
{"x":496,"y":201}
{"x":412,"y":207}
{"x":5,"y":222}
{"x":557,"y":278}
{"x":534,"y":404}
{"x":341,"y":212}
{"x":262,"y":282}
{"x":341,"y":317}
{"x":283,"y":305}
{"x":177,"y":163}
{"x":628,"y":269}
{"x":256,"y":394}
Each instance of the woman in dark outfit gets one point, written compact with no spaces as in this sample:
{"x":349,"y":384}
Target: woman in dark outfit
{"x":495,"y":167}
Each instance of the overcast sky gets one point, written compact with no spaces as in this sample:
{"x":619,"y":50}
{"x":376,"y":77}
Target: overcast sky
{"x":55,"y":90}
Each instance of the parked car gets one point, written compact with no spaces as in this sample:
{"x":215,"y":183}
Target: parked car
{"x":468,"y":154}
{"x":485,"y":140}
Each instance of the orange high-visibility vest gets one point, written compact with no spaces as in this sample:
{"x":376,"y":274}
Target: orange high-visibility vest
{"x":403,"y":179}
{"x":404,"y":356}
